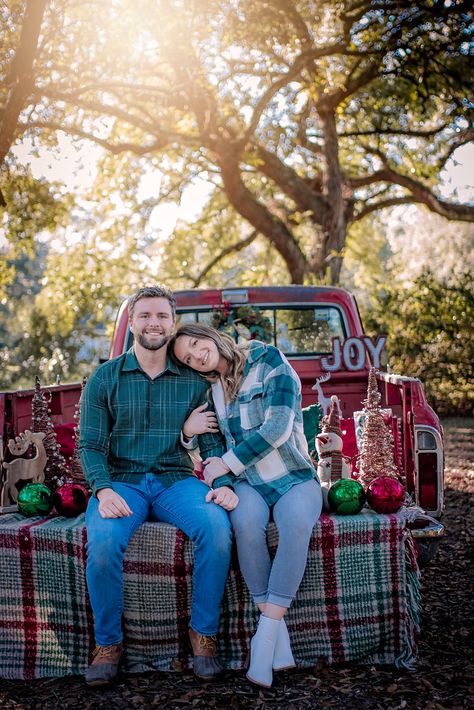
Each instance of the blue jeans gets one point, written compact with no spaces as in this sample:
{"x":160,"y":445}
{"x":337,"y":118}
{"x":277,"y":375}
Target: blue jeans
{"x":295,"y":514}
{"x":182,"y":504}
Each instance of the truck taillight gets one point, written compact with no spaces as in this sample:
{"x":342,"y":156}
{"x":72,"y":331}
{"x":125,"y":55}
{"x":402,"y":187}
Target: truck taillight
{"x":427,"y":472}
{"x":429,"y":469}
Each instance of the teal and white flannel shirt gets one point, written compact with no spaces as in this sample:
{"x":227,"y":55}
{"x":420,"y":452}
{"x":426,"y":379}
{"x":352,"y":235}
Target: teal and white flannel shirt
{"x":263,"y":426}
{"x":131,"y":424}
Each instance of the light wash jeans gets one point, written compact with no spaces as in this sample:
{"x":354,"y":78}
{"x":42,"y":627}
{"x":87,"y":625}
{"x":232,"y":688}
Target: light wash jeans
{"x":295,"y":514}
{"x":182,"y":504}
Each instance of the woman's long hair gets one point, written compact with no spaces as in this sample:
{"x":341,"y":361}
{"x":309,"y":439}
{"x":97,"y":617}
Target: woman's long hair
{"x":233,"y":354}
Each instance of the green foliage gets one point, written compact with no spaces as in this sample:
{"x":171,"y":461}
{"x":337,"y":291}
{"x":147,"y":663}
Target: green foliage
{"x":218,"y":249}
{"x":32,"y":206}
{"x":246,"y":321}
{"x":429,"y":328}
{"x":366,"y":266}
{"x":59,"y":321}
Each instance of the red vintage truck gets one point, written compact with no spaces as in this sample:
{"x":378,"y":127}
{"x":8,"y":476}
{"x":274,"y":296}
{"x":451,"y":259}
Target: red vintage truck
{"x":320,"y":331}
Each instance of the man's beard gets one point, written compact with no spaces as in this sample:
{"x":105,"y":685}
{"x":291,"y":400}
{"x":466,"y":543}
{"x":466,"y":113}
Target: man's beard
{"x":155,"y":345}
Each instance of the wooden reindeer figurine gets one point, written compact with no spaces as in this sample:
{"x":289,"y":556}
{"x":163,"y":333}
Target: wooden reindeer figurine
{"x":23,"y":469}
{"x":332,"y":464}
{"x":323,"y":401}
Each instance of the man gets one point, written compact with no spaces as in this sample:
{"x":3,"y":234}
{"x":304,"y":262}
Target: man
{"x":132,"y":413}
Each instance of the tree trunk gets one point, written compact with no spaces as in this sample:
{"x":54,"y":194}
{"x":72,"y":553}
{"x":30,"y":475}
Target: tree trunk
{"x":335,"y":223}
{"x":266,"y":223}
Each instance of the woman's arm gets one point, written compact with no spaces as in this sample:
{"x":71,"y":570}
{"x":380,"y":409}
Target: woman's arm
{"x":281,"y":398}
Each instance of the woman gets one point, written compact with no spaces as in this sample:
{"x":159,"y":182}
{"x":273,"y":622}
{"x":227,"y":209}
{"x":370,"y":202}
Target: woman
{"x":257,"y":398}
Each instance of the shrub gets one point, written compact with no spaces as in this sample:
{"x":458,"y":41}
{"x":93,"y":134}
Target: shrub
{"x":429,"y":326}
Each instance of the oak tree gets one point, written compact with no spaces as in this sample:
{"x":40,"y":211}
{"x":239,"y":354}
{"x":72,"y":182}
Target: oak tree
{"x":308,"y":116}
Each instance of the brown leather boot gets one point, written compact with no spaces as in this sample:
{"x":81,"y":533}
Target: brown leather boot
{"x":105,"y":665}
{"x":206,"y":663}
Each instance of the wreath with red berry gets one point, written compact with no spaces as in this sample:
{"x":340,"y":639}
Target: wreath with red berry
{"x":247,"y":322}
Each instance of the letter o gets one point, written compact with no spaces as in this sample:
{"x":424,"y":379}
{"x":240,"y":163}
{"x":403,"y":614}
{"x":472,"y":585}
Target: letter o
{"x":353,"y":354}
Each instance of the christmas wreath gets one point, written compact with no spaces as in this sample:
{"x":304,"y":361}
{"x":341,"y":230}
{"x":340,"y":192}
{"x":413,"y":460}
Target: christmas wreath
{"x":245,"y":321}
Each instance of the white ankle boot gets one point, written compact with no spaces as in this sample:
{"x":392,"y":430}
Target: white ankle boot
{"x":262,"y":649}
{"x":283,"y":656}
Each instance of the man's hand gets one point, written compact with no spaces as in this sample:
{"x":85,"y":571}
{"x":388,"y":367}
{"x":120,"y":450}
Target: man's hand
{"x":225,"y":497}
{"x":111,"y":505}
{"x":200,"y":422}
{"x":213,"y":468}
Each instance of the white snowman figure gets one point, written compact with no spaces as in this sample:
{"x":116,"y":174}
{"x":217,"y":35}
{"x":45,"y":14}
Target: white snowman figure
{"x":332,"y":464}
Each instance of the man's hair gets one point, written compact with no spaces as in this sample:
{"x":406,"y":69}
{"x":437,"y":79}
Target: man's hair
{"x":159,"y":291}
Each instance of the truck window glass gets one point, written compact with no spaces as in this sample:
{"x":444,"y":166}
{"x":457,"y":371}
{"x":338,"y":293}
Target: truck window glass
{"x":309,"y":330}
{"x":296,"y":331}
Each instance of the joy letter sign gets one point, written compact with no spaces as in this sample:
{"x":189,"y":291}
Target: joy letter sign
{"x":351,"y":354}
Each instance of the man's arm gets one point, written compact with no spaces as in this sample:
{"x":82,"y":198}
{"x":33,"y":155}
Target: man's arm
{"x":95,"y":427}
{"x":211,"y":444}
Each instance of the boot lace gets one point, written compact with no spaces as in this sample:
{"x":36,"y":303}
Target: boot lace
{"x":107,"y":653}
{"x":207,"y":642}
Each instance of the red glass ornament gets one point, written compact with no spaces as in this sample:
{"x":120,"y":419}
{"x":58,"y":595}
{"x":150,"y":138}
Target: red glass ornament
{"x":70,"y":499}
{"x":385,"y":494}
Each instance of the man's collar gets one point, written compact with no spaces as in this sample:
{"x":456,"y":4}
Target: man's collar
{"x":131,"y":363}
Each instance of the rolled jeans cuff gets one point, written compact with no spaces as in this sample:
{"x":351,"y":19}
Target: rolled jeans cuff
{"x":279,"y":600}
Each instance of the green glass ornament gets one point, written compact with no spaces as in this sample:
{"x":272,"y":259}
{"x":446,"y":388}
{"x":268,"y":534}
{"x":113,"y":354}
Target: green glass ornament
{"x":346,"y":497}
{"x":35,"y":499}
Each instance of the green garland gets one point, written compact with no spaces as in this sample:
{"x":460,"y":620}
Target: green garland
{"x":245,"y":321}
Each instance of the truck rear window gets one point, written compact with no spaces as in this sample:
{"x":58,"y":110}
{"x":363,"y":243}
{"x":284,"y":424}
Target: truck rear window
{"x":296,"y":331}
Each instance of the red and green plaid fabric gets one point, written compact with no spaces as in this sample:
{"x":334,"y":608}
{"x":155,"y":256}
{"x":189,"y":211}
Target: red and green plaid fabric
{"x":359,"y":599}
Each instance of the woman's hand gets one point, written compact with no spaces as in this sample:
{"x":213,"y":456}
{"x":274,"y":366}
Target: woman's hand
{"x":224,"y":496}
{"x":213,"y":468}
{"x":200,"y":422}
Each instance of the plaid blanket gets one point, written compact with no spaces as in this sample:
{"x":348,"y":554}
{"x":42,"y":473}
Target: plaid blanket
{"x":359,"y":599}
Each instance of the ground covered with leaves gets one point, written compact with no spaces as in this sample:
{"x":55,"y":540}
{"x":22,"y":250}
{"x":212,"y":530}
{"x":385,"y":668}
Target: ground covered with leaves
{"x":444,"y":677}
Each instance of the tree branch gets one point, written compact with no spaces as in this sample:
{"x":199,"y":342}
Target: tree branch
{"x":225,"y":252}
{"x":292,"y":184}
{"x":79,"y":133}
{"x":422,"y":193}
{"x":273,"y":228}
{"x":395,"y":132}
{"x":298,"y":65}
{"x":100,"y":108}
{"x":262,"y":103}
{"x":383,"y":204}
{"x":110,"y":86}
{"x":364,"y":180}
{"x":20,"y":76}
{"x":332,"y":99}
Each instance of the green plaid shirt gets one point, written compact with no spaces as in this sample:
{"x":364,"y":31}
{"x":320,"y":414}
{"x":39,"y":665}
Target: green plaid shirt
{"x":131,"y":424}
